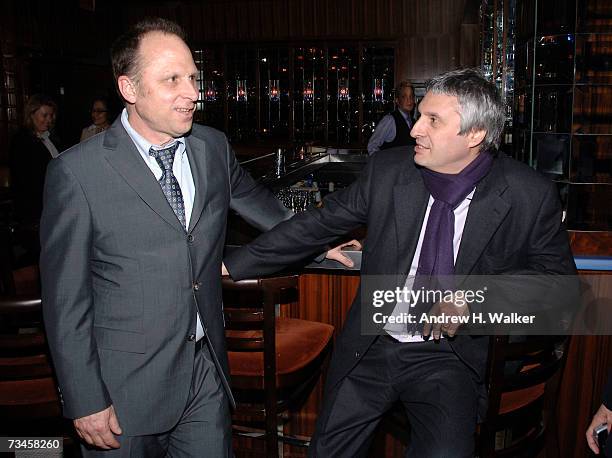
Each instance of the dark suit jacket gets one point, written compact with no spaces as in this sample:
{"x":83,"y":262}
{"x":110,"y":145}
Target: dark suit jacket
{"x":513,"y":227}
{"x":122,"y":279}
{"x":29,"y":158}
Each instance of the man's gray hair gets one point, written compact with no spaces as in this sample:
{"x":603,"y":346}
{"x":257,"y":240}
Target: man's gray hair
{"x":480,"y":106}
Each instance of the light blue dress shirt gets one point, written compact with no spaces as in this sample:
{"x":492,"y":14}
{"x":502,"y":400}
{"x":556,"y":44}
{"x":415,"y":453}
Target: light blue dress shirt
{"x":181,"y":170}
{"x":385,"y":131}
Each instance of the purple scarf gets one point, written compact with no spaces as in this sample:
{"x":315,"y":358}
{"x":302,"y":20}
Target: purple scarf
{"x":448,"y":191}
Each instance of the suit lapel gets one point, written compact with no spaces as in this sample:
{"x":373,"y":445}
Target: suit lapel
{"x":486,"y":212}
{"x":122,"y":155}
{"x":198,"y":157}
{"x":410,"y":202}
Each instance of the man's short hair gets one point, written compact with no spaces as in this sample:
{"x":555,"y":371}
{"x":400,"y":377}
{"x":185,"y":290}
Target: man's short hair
{"x":403,"y":84}
{"x":480,"y":106}
{"x":124,"y":51}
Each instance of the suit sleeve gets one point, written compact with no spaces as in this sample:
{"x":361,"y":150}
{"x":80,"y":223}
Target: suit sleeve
{"x":304,"y":234}
{"x":253,"y":201}
{"x":66,"y":243}
{"x":384,"y":132}
{"x":549,"y":249}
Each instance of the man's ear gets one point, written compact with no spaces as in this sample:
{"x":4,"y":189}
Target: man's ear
{"x":127,"y":88}
{"x":475,"y":137}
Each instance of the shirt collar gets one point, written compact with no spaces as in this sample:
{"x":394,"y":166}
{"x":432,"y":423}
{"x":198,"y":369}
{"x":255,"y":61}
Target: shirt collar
{"x":405,"y":115}
{"x":143,"y":144}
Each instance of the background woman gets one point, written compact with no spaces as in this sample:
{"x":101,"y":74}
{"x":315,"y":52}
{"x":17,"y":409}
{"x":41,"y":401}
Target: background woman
{"x":99,"y":116}
{"x":32,"y":147}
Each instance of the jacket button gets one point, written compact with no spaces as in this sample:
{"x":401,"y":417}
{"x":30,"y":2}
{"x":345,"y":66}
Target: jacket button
{"x":191,"y":337}
{"x":196,"y":286}
{"x":357,"y":354}
{"x":190,"y":238}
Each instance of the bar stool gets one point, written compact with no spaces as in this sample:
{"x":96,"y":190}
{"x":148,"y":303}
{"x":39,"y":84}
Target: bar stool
{"x":523,"y":380}
{"x":274,"y":362}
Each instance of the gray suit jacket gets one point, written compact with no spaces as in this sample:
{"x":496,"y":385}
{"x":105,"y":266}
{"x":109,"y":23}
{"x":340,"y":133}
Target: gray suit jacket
{"x":122,"y":279}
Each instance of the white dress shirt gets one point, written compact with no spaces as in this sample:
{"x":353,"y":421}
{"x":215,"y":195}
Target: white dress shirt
{"x":397,"y":331}
{"x":44,"y":137}
{"x":385,"y":131}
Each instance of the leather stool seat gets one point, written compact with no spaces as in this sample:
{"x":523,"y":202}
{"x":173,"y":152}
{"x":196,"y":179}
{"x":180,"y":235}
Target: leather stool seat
{"x":299,"y":343}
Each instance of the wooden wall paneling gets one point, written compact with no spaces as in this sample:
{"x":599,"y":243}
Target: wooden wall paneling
{"x":381,"y":16}
{"x":189,"y":20}
{"x":267,"y":18}
{"x":407,"y":9}
{"x":304,"y":16}
{"x":229,"y":13}
{"x":349,"y":17}
{"x":385,"y":17}
{"x":431,"y":55}
{"x":331,"y":18}
{"x":396,"y":17}
{"x":317,"y":20}
{"x":418,"y":20}
{"x":242,"y":22}
{"x":279,"y":14}
{"x":586,"y":371}
{"x":334,"y":24}
{"x":469,"y":54}
{"x":261,"y":18}
{"x":26,"y":12}
{"x":449,"y":52}
{"x":205,"y":23}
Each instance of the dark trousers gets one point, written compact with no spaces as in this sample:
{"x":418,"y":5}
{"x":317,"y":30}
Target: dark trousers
{"x":438,"y":391}
{"x":203,"y":430}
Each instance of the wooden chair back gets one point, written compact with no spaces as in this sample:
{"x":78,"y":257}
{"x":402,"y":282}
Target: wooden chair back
{"x":27,"y":385}
{"x":523,"y":376}
{"x":250,"y":326}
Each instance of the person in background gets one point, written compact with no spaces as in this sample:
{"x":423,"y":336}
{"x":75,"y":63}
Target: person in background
{"x":394,"y":128}
{"x":99,"y":117}
{"x":31,"y":149}
{"x":602,"y":416}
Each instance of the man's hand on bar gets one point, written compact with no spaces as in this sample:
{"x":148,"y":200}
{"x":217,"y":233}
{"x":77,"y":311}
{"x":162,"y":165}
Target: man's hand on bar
{"x":336,"y":253}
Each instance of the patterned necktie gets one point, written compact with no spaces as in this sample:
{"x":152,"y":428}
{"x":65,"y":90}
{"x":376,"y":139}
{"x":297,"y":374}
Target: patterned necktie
{"x":168,"y":182}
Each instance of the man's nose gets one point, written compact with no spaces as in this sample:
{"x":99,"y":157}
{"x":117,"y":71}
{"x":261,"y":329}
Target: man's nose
{"x":191,"y":90}
{"x":416,"y":129}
